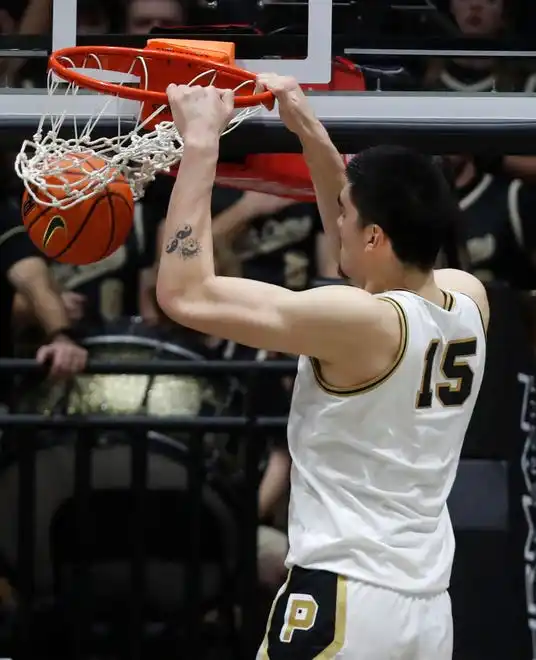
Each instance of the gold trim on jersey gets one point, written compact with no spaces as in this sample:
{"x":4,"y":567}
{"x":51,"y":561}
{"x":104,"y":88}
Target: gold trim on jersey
{"x":479,"y":312}
{"x":378,"y":380}
{"x":448,"y":299}
{"x":341,"y":614}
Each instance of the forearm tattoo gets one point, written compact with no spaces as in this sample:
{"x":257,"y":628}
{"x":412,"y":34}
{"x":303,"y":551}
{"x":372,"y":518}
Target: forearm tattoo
{"x":184,"y":244}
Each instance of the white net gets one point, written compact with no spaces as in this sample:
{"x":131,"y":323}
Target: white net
{"x":138,"y":153}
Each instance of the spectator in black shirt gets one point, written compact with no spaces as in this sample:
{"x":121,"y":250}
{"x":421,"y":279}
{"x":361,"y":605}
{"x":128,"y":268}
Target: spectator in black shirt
{"x":489,"y":19}
{"x":24,"y":270}
{"x":275,"y":240}
{"x":498,"y":226}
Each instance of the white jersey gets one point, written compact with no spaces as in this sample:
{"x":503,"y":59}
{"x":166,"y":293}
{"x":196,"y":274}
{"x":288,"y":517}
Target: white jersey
{"x":373,"y":467}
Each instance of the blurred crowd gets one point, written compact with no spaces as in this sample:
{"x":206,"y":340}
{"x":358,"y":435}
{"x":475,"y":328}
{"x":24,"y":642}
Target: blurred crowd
{"x":54,"y":309}
{"x":495,"y":23}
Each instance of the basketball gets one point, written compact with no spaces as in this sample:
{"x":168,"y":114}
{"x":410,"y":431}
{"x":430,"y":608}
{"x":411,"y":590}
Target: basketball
{"x":87,"y":232}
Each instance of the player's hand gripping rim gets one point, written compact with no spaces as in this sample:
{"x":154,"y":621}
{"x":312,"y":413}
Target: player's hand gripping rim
{"x":294,"y":109}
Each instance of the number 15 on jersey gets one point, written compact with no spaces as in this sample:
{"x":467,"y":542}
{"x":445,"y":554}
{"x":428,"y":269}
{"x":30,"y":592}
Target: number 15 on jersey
{"x":454,"y":386}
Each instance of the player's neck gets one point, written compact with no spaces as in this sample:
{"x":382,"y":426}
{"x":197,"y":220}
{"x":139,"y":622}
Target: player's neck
{"x":408,"y":279}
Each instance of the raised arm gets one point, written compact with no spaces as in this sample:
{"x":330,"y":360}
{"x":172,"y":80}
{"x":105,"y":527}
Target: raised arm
{"x":324,"y":161}
{"x":326,"y":323}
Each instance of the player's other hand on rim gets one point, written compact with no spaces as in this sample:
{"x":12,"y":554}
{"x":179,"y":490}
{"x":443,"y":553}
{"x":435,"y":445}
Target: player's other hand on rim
{"x":294,"y":110}
{"x":200,"y":112}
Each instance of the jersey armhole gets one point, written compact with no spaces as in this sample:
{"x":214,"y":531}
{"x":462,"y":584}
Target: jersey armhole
{"x":371,"y":384}
{"x":461,"y":293}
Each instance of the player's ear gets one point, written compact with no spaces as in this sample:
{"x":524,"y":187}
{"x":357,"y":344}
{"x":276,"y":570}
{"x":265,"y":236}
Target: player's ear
{"x":374,"y":236}
{"x":371,"y":237}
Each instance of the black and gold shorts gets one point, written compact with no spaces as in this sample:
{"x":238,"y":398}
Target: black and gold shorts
{"x":308,"y":617}
{"x":319,"y":615}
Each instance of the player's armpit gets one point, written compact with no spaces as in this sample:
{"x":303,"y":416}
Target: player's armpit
{"x":326,"y":323}
{"x":458,"y":280}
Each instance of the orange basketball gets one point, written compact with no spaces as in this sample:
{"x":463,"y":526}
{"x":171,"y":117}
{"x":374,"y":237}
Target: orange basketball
{"x":90,"y":230}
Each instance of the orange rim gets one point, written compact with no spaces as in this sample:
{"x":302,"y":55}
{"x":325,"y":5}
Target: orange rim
{"x":77,"y":55}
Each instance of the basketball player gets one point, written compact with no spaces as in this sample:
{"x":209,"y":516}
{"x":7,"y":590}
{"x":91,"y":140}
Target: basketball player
{"x":389,"y":375}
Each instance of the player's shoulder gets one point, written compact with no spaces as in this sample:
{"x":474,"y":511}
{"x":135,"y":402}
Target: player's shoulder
{"x":459,"y":281}
{"x":373,"y":329}
{"x":355,"y":301}
{"x":361,"y":316}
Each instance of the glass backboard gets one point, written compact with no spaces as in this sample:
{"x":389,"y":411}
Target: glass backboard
{"x":434,"y":73}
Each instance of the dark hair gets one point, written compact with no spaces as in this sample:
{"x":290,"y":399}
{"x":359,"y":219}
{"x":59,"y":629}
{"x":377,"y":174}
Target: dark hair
{"x":406,"y":194}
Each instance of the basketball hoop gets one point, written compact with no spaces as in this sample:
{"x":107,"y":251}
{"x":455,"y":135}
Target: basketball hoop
{"x":138,"y":153}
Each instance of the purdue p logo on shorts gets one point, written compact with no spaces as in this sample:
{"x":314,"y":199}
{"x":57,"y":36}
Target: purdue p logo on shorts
{"x":300,"y":614}
{"x":308,"y":617}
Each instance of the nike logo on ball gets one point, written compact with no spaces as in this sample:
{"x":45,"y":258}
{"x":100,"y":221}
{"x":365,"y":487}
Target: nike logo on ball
{"x":56,"y":223}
